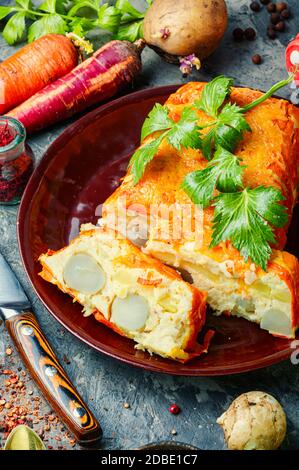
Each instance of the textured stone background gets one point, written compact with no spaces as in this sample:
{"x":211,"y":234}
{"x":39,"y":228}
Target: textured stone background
{"x":105,"y":383}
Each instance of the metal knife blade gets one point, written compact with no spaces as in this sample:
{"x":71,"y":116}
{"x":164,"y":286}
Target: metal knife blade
{"x":12,"y":294}
{"x":41,"y":361}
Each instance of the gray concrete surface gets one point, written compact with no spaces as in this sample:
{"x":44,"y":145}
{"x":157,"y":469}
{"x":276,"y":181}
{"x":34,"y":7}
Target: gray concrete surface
{"x":105,"y":383}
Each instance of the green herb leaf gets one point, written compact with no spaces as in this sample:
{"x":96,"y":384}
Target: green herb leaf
{"x":109,"y":18}
{"x":129,"y":32}
{"x":245,"y":220}
{"x":230,"y":171}
{"x":157,"y":120}
{"x":14,"y":28}
{"x":224,"y":172}
{"x":226,"y":131}
{"x":5,"y":11}
{"x":233,"y":116}
{"x":125,"y":7}
{"x":266,"y":200}
{"x":80,"y":26}
{"x":49,"y":6}
{"x":200,"y":185}
{"x":207,"y":142}
{"x":143,"y":156}
{"x":185,"y":132}
{"x":23,"y":3}
{"x":268,"y":94}
{"x":92,"y":5}
{"x":214,"y":94}
{"x":48,"y":24}
{"x":61,"y":6}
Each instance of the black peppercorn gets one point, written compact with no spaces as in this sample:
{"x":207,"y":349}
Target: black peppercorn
{"x":271,"y":32}
{"x":275,"y":18}
{"x":271,"y":7}
{"x":281,"y":6}
{"x":250,"y":34}
{"x":255,"y":6}
{"x":238,"y":34}
{"x":256,"y":59}
{"x":280,"y":26}
{"x":285,"y":14}
{"x":264,"y":2}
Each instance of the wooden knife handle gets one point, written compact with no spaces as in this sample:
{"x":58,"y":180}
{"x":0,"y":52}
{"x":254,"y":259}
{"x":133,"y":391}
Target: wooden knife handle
{"x":44,"y":367}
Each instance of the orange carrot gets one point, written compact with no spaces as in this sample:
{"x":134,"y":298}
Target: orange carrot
{"x":98,"y":78}
{"x":33,"y":67}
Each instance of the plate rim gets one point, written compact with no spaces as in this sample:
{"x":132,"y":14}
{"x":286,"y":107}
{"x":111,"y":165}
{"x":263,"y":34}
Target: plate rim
{"x":24,"y":210}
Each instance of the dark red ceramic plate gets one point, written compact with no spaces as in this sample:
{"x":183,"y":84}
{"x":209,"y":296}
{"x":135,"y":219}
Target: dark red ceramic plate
{"x":78,"y":172}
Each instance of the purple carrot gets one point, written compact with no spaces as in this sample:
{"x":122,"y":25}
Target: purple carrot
{"x":96,"y":79}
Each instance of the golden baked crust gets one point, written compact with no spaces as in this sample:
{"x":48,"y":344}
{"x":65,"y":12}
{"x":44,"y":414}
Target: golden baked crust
{"x":271,"y":156}
{"x":270,"y":153}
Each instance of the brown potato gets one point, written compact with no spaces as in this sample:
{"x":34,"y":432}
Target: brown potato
{"x":254,"y":421}
{"x":182,"y":27}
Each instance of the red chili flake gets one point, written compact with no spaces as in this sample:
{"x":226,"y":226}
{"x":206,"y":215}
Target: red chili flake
{"x":174,"y":409}
{"x":13,"y":177}
{"x":6,"y":137}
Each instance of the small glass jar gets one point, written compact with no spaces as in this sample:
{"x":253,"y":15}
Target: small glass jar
{"x":16,"y":160}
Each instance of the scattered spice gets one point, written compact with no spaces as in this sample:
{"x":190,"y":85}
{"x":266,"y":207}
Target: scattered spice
{"x":256,"y":59}
{"x":271,"y":32}
{"x":271,"y":7}
{"x":174,"y":409}
{"x":280,"y":26}
{"x":255,"y":6}
{"x":8,"y":351}
{"x":285,"y":14}
{"x":250,"y":34}
{"x":238,"y":34}
{"x":66,"y":359}
{"x":275,"y":18}
{"x":126,"y":405}
{"x":18,"y":407}
{"x":281,"y":6}
{"x":174,"y":432}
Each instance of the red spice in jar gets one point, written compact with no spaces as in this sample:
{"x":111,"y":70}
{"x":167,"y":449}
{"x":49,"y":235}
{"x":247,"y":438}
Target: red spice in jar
{"x":14,"y":177}
{"x":16,"y":161}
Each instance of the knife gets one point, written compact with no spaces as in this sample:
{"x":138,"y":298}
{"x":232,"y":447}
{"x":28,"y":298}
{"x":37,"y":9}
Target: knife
{"x":40,"y":359}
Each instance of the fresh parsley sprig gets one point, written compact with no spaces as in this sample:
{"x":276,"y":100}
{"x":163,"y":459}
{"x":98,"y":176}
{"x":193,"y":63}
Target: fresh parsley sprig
{"x":245,"y":216}
{"x":246,"y":219}
{"x":228,"y":122}
{"x":223,"y":172}
{"x":184,"y":133}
